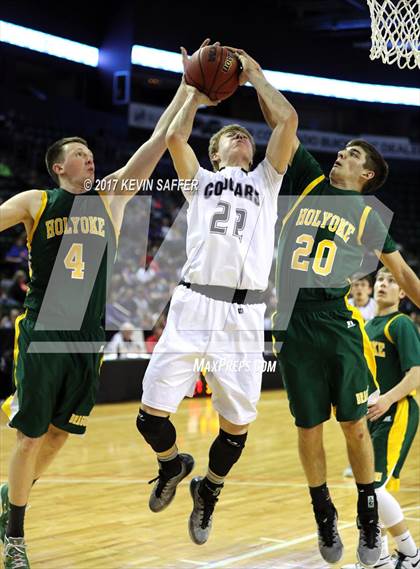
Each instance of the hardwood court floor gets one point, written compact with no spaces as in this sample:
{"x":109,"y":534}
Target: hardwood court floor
{"x":90,"y":511}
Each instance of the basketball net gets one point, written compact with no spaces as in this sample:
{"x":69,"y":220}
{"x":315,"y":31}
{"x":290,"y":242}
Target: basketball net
{"x":396,"y":32}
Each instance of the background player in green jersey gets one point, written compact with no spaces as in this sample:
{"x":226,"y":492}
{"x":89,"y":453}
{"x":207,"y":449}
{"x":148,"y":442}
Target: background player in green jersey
{"x":394,"y":417}
{"x":323,"y":351}
{"x":56,"y":392}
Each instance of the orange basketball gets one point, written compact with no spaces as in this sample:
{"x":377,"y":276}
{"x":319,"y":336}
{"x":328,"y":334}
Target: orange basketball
{"x":214,"y":70}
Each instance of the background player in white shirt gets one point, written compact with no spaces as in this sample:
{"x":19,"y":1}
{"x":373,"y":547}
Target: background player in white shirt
{"x":217,"y":312}
{"x":361,"y":297}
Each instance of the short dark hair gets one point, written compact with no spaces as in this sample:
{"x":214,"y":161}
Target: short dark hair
{"x":375,"y":162}
{"x":54,"y":153}
{"x":362,"y":277}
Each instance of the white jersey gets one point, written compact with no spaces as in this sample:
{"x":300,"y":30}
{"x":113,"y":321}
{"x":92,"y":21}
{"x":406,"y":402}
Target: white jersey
{"x":368,"y":311}
{"x":231,"y":219}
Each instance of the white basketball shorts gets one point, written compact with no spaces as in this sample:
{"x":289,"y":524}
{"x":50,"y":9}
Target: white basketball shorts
{"x":223,"y":339}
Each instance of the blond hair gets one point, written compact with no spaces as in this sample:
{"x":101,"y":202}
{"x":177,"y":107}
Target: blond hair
{"x":215,"y":139}
{"x":384,"y":270}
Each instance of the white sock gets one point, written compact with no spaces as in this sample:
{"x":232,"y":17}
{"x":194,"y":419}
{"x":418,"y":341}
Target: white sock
{"x":405,"y":544}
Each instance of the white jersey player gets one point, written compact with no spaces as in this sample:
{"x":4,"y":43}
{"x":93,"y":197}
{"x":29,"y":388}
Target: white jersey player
{"x":231,"y":219}
{"x":216,"y":316}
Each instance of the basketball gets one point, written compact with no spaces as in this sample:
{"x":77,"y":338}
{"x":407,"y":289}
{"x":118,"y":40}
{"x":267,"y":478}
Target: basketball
{"x":214,"y":70}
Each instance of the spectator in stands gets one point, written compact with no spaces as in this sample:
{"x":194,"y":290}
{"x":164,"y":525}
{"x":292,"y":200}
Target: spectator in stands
{"x":361,"y":296}
{"x":127,"y":343}
{"x":128,"y":302}
{"x":8,"y":320}
{"x":5,"y":301}
{"x":128,"y":273}
{"x":115,"y":314}
{"x":18,"y":253}
{"x":18,"y":288}
{"x":148,"y":269}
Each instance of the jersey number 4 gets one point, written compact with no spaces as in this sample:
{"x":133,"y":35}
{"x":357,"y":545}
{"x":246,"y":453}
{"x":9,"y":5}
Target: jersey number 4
{"x":220,"y":220}
{"x":324,"y":255}
{"x":74,"y":261}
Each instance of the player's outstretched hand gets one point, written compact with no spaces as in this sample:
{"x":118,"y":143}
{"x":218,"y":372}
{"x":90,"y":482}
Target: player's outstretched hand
{"x":185,"y":56}
{"x":249,"y":66}
{"x":381,"y":406}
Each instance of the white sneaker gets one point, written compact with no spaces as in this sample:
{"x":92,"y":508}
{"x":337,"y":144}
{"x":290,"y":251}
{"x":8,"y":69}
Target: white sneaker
{"x":387,"y":562}
{"x":406,"y":562}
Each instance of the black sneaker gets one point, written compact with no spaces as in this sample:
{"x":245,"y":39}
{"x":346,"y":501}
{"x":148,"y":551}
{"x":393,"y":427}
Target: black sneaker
{"x":329,"y":541}
{"x":369,"y":548}
{"x":199,"y":524}
{"x":165,"y":488}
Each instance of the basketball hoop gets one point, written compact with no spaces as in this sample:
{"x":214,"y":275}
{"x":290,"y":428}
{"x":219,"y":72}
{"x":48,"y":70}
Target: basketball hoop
{"x":396,"y":32}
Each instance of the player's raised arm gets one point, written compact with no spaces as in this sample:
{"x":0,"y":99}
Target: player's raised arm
{"x":282,"y":115}
{"x":21,"y":208}
{"x":272,"y":121}
{"x":141,"y":165}
{"x":183,"y":156}
{"x":404,"y":275}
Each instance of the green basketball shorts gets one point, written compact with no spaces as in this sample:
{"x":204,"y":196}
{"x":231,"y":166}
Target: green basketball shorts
{"x":326,"y":362}
{"x":52,"y":388}
{"x":392,"y":436}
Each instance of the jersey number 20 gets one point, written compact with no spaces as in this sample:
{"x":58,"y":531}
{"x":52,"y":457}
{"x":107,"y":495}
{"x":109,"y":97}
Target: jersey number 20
{"x":322,"y":264}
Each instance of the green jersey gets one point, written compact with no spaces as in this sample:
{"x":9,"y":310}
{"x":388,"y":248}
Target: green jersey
{"x":324,"y":235}
{"x":396,"y":344}
{"x":72,"y":247}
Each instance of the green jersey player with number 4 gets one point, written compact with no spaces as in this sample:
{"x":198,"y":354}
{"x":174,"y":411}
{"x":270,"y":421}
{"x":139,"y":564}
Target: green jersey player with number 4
{"x":72,"y":239}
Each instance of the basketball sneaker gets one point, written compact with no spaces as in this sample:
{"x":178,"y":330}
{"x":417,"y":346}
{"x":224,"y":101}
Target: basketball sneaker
{"x":370,"y":543}
{"x":4,"y":515}
{"x":201,"y":518}
{"x":14,"y":554}
{"x":165,"y":488}
{"x":329,"y":541}
{"x":406,"y":562}
{"x":387,"y":562}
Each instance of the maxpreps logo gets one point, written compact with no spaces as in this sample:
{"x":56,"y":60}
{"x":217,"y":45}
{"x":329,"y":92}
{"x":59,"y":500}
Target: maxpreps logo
{"x":233,"y":366}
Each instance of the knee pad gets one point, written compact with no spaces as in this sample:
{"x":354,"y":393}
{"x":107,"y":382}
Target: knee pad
{"x":390,"y":512}
{"x":233,"y":441}
{"x":225,"y":451}
{"x":158,"y":432}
